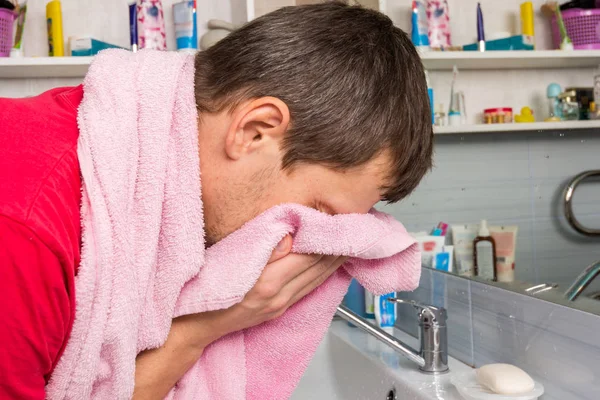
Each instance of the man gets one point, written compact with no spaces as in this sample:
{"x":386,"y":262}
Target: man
{"x":323,"y":105}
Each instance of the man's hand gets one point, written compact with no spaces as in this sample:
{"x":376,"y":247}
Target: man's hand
{"x":285,"y":280}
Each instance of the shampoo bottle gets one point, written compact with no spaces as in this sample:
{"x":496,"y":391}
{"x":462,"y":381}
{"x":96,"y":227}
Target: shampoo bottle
{"x":484,"y":254}
{"x":56,"y":42}
{"x":355,"y":299}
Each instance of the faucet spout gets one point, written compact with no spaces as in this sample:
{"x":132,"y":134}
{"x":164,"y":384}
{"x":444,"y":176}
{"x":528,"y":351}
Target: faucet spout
{"x":385,"y":337}
{"x":432,"y":358}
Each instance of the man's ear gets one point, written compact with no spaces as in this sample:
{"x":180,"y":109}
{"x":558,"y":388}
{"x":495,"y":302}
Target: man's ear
{"x":258,"y":124}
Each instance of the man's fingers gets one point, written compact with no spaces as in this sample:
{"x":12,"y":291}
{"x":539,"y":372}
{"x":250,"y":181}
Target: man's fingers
{"x":280,"y":273}
{"x":312,"y":278}
{"x":283,"y":249}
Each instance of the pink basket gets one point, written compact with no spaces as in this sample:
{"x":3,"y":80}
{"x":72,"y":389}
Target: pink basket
{"x":583,"y":27}
{"x":7,"y":18}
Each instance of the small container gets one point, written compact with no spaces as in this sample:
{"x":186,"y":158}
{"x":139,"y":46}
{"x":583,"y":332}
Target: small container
{"x":501,"y":115}
{"x":569,"y":105}
{"x":457,"y":112}
{"x":7,"y":18}
{"x":440,"y":116}
{"x":583,"y":95}
{"x":554,"y":107}
{"x":581,"y":26}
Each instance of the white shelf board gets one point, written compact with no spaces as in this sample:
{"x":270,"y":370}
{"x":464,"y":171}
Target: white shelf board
{"x":76,"y":67}
{"x":44,"y":67}
{"x":537,"y":59}
{"x":515,"y":127}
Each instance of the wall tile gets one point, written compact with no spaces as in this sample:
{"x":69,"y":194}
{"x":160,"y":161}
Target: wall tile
{"x":555,"y":344}
{"x":514,"y":179}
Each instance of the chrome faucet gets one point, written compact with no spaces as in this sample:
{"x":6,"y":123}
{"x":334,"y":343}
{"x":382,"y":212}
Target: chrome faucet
{"x":582,"y":281}
{"x":432,"y":356}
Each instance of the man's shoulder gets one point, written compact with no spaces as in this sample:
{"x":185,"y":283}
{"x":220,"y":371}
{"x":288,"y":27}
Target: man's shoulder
{"x":39,"y":171}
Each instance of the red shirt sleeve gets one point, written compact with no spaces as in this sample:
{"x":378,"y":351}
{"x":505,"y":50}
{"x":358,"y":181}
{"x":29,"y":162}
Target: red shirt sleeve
{"x":34,"y":312}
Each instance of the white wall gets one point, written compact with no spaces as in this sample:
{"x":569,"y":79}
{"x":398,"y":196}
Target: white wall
{"x":504,"y":178}
{"x":106,"y":20}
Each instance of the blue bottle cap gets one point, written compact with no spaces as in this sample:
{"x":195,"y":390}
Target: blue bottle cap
{"x":553,"y":90}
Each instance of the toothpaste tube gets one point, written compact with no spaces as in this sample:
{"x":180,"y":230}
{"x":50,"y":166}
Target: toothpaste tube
{"x":184,"y":17}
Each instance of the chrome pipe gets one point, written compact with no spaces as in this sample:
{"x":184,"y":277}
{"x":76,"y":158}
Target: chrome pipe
{"x":582,"y":281}
{"x":381,"y":335}
{"x":568,"y":203}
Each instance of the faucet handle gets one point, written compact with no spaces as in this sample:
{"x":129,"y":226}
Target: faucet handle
{"x":426,"y":311}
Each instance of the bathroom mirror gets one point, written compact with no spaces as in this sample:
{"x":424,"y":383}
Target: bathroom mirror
{"x":517,"y":182}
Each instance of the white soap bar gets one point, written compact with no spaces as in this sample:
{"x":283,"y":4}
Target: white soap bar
{"x":505,"y":379}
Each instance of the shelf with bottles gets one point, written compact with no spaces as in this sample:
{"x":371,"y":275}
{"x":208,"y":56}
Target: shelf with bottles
{"x":495,"y":60}
{"x":517,"y":127}
{"x":44,"y":67}
{"x":49,"y":67}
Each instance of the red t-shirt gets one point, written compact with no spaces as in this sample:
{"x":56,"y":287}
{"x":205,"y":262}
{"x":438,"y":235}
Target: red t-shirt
{"x":39,"y":236}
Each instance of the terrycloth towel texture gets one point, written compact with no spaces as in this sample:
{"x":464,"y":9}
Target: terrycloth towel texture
{"x":143,"y":258}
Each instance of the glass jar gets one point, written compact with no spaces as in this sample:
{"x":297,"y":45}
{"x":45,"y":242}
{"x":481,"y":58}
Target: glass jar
{"x":569,"y":105}
{"x":439,"y":118}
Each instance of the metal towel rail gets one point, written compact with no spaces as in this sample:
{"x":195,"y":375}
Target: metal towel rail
{"x":569,"y":193}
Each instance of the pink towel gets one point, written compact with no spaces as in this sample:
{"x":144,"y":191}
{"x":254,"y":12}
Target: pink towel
{"x":143,"y":258}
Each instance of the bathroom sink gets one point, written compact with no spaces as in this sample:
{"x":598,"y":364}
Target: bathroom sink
{"x":352,"y":365}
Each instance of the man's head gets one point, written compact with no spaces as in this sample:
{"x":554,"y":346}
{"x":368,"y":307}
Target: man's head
{"x":323,"y":105}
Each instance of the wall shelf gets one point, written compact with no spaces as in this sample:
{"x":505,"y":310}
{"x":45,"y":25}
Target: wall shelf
{"x":526,"y":127}
{"x":538,"y":59}
{"x":44,"y":67}
{"x":76,"y":67}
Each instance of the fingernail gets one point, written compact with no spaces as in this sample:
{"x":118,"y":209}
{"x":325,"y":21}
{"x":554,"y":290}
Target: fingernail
{"x":281,"y":246}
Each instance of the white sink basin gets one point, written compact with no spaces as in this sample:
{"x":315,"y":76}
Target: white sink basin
{"x":352,"y":365}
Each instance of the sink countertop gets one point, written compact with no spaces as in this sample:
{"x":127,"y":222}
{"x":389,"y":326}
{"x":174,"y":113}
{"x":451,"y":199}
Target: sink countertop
{"x":411,"y":383}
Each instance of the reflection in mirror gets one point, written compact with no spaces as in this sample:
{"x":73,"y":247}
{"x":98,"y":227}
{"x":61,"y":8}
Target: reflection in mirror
{"x":507,"y":209}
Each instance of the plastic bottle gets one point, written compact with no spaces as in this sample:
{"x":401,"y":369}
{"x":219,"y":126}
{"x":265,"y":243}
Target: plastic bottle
{"x":484,"y":254}
{"x":554,"y":109}
{"x":527,"y":25}
{"x":355,"y":299}
{"x":430,"y":93}
{"x":420,"y":28}
{"x":385,"y":313}
{"x":56,"y":42}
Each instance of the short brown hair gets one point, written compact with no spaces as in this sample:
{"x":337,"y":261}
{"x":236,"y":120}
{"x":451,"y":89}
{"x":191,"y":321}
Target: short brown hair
{"x":353,"y":82}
